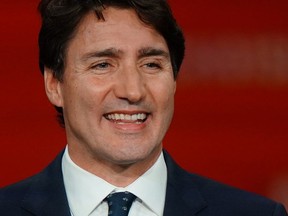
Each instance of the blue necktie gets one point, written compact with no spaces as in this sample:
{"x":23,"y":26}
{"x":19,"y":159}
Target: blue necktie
{"x":120,"y":203}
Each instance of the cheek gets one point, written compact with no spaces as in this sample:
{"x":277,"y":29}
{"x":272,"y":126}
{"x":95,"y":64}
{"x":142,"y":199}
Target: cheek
{"x":165,"y":107}
{"x":163,"y":97}
{"x":82,"y":90}
{"x":164,"y":94}
{"x":78,"y":99}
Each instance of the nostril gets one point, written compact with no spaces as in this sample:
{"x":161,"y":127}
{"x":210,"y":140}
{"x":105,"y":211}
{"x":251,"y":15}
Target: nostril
{"x":131,"y":94}
{"x":130,"y":86}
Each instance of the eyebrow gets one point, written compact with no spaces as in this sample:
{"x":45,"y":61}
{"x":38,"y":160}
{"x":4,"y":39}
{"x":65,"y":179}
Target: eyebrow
{"x":110,"y":52}
{"x":151,"y":51}
{"x":115,"y":53}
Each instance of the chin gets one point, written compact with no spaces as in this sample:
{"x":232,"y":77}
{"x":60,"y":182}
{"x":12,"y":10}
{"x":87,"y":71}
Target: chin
{"x":137,"y":155}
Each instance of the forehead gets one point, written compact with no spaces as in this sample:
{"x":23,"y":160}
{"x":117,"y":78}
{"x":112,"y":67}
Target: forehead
{"x":121,"y":27}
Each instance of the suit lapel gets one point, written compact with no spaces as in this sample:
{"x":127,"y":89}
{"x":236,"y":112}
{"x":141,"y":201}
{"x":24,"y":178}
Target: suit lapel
{"x":182,"y":195}
{"x":47,"y":195}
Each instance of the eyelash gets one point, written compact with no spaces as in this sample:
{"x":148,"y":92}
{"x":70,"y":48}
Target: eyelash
{"x":101,"y":65}
{"x":154,"y":65}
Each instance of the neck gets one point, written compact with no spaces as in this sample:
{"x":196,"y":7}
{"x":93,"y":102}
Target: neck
{"x":117,"y":173}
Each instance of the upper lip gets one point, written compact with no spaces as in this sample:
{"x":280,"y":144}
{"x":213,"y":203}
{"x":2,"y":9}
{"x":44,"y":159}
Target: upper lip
{"x":127,"y":112}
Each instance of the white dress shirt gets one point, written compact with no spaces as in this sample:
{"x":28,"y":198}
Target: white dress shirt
{"x":85,"y":191}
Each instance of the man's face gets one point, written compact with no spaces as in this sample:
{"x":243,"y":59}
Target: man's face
{"x":118,"y":89}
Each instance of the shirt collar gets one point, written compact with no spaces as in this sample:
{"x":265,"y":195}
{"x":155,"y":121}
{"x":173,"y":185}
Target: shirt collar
{"x":151,"y":186}
{"x":85,"y":191}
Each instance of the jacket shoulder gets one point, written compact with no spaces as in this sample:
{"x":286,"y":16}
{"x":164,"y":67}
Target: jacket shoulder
{"x":216,"y":198}
{"x":228,"y":200}
{"x":32,"y":193}
{"x":11,"y":196}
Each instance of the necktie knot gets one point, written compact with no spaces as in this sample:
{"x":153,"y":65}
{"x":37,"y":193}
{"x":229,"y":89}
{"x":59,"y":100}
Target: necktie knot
{"x":119,"y":203}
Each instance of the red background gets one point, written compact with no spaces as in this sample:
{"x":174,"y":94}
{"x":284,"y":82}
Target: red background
{"x":231,"y":119}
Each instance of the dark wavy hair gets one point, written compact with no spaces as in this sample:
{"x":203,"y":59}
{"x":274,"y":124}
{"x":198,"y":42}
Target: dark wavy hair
{"x":60,"y":19}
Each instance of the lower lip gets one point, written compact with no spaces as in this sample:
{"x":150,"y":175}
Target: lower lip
{"x":129,"y":127}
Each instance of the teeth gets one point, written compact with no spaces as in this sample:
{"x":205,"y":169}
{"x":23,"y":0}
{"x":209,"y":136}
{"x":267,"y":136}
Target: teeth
{"x":127,"y":117}
{"x":134,"y":117}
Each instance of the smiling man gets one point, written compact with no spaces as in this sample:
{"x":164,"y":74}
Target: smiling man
{"x":117,"y":95}
{"x":110,"y":70}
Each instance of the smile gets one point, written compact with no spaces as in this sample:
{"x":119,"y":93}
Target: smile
{"x":122,"y":118}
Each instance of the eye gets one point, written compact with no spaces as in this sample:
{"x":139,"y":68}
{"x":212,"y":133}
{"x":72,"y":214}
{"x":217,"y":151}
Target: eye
{"x":153,"y":65}
{"x":101,"y":66}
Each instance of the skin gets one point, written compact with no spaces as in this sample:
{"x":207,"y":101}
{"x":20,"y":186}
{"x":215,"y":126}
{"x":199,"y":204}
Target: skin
{"x":116,"y":66}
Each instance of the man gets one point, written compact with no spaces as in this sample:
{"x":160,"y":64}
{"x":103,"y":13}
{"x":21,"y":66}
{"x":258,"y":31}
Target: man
{"x":110,"y":68}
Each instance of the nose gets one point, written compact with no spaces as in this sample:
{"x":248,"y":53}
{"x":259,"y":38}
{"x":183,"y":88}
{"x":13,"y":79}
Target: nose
{"x":130,"y":85}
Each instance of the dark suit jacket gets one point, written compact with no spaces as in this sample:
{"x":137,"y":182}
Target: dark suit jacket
{"x":187,"y":195}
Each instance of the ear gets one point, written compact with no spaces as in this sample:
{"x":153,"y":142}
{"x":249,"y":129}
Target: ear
{"x":175,"y":86}
{"x":53,"y":88}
